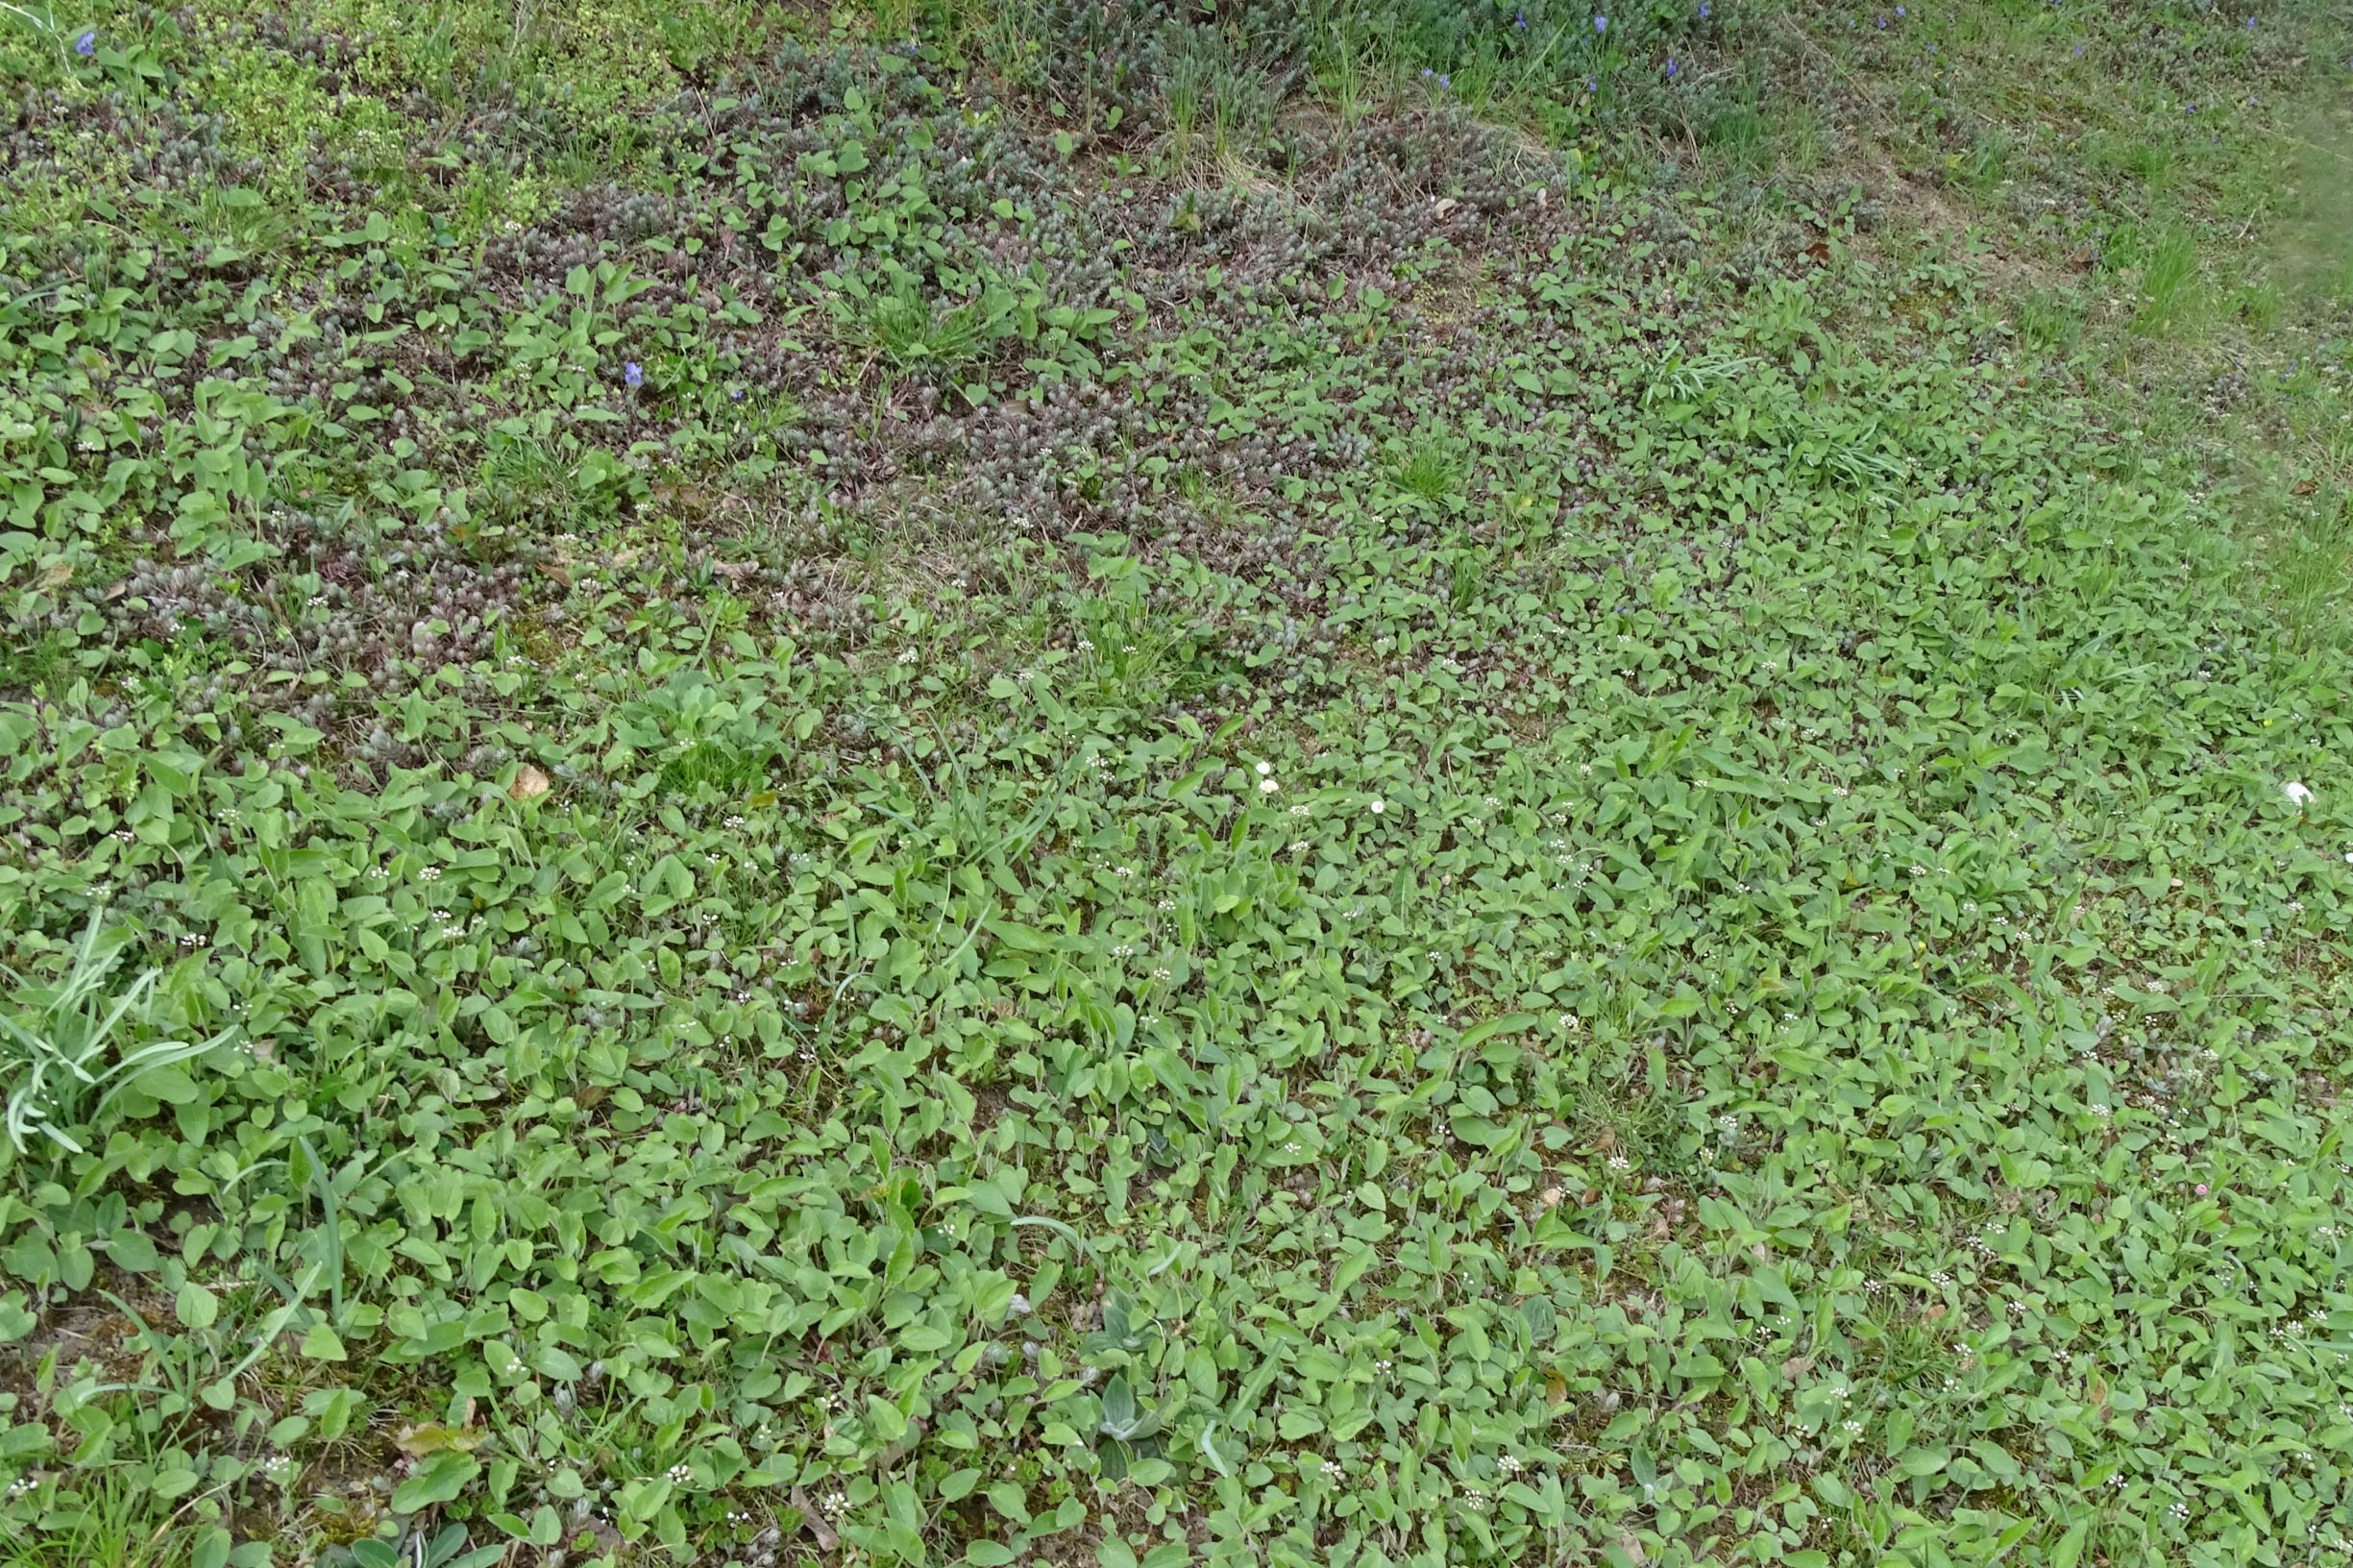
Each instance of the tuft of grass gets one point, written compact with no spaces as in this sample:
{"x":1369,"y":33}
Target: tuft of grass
{"x":1428,"y":468}
{"x":2170,"y":294}
{"x":2311,"y":570}
{"x":108,"y":1517}
{"x":70,"y":1049}
{"x":916,"y":333}
{"x":2050,"y":320}
{"x":1218,"y":99}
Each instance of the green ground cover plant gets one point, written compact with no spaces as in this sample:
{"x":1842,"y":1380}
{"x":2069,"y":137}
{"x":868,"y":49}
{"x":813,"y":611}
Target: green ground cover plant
{"x":1135,"y":784}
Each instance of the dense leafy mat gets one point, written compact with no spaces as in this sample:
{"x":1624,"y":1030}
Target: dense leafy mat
{"x":1103,"y":789}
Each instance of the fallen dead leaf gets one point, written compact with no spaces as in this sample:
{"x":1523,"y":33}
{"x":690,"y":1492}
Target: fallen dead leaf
{"x":530,"y":784}
{"x":814,"y":1522}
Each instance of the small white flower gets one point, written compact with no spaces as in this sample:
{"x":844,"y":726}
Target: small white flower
{"x":1265,"y":768}
{"x":2298,"y":796}
{"x":1268,"y":786}
{"x":1619,"y":1162}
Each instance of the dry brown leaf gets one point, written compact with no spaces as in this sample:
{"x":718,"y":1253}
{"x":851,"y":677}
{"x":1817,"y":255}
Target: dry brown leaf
{"x":814,"y":1522}
{"x":530,"y":784}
